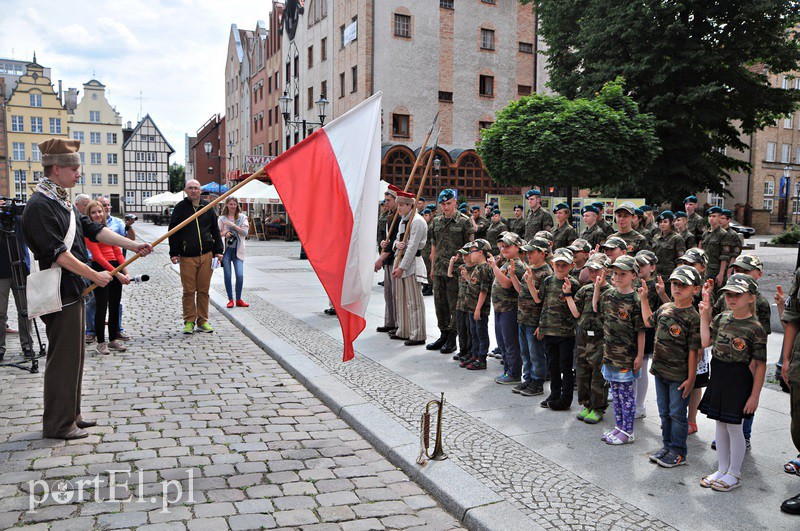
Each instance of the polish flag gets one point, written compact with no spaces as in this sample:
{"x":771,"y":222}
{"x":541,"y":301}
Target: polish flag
{"x":329,"y":185}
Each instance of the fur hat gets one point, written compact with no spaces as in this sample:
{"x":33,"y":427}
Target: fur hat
{"x":60,"y":152}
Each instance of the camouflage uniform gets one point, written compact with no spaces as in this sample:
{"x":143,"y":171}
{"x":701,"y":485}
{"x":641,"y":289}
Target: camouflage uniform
{"x":736,"y":244}
{"x":528,"y":312}
{"x":604,"y":225}
{"x":563,"y":235}
{"x":483,"y":225}
{"x":537,"y":221}
{"x":763,"y":311}
{"x":717,"y":245}
{"x":557,"y":325}
{"x":636,"y":242}
{"x":462,"y":315}
{"x":667,"y":249}
{"x":517,"y":225}
{"x":622,"y":321}
{"x":505,"y":300}
{"x":696,"y":225}
{"x":594,"y":235}
{"x":791,"y":314}
{"x":493,"y":234}
{"x":738,"y":340}
{"x":426,"y":254}
{"x":592,"y":387}
{"x":481,"y":280}
{"x":650,"y":231}
{"x":688,"y":239}
{"x":677,"y":332}
{"x":448,"y":236}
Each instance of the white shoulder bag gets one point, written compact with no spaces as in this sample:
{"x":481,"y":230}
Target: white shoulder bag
{"x":43,"y":289}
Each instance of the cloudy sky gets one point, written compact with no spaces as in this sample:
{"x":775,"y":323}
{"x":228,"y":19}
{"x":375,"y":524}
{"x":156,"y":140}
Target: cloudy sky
{"x":173,"y":51}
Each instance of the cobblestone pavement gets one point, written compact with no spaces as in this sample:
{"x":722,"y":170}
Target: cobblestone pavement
{"x":248,"y":445}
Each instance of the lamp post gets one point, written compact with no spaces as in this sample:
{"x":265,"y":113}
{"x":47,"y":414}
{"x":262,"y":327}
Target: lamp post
{"x":322,"y":107}
{"x":437,"y":165}
{"x":787,"y":174}
{"x":209,"y":148}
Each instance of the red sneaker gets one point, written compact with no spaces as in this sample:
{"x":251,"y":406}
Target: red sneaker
{"x":242,"y":304}
{"x":231,"y":304}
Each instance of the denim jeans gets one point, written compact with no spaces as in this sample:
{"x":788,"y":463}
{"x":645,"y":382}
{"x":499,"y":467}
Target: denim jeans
{"x":534,"y":363}
{"x":238,"y":265}
{"x":479,"y":333}
{"x":559,"y":361}
{"x":507,"y":336}
{"x":673,"y":409}
{"x":747,"y":427}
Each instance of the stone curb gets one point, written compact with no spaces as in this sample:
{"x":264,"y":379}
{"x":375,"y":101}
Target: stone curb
{"x":475,"y":505}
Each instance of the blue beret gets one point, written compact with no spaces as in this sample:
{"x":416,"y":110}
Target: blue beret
{"x":691,"y":199}
{"x":489,"y":204}
{"x":431,"y":206}
{"x":446,"y":195}
{"x":383,"y":202}
{"x":727,"y":213}
{"x":462,"y":209}
{"x":561,"y":206}
{"x":496,"y":211}
{"x":647,"y":208}
{"x":714,"y":210}
{"x":667,"y":214}
{"x":421,"y":199}
{"x":638,"y":212}
{"x":519,"y":207}
{"x":426,"y":211}
{"x":681,"y":214}
{"x":590,"y":208}
{"x":599,"y":205}
{"x":529,"y":193}
{"x":474,"y":208}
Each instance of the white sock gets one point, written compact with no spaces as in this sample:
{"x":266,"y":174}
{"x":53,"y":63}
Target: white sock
{"x":641,"y":387}
{"x":738,"y":448}
{"x":723,"y":447}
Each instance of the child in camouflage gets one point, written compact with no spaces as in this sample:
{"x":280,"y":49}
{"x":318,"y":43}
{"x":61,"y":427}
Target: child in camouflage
{"x":592,"y":387}
{"x":738,"y":339}
{"x":677,"y":345}
{"x":462,"y":322}
{"x":648,"y":261}
{"x":623,"y":347}
{"x":477,"y":306}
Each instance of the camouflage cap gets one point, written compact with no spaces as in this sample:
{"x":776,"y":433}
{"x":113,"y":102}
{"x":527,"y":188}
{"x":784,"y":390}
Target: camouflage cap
{"x":615,"y":242}
{"x":598,"y":261}
{"x":482,"y":244}
{"x":466,"y":248}
{"x":686,"y":275}
{"x":563,"y":255}
{"x":748,"y":262}
{"x":627,"y":206}
{"x":580,"y":246}
{"x":626,"y":262}
{"x":536,"y":244}
{"x":646,"y":257}
{"x":511,"y":238}
{"x":545,"y":235}
{"x":695,"y":255}
{"x":740,"y":283}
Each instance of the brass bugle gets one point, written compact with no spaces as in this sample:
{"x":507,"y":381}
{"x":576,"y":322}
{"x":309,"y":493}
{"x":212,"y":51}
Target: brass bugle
{"x":425,"y":426}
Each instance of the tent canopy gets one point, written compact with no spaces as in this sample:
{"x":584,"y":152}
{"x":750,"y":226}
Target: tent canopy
{"x":164,"y":199}
{"x":214,"y":188}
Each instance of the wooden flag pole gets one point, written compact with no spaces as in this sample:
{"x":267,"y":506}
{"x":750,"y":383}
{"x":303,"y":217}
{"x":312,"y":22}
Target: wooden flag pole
{"x":181,"y":225}
{"x":419,"y":193}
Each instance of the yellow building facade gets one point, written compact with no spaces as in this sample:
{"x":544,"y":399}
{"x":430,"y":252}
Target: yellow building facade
{"x":33,"y":115}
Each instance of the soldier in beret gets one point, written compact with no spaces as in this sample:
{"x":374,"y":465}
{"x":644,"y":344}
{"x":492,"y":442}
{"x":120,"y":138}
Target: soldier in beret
{"x":695,"y":223}
{"x":604,"y":225}
{"x":735,"y":239}
{"x":479,"y":223}
{"x":427,"y":286}
{"x":537,"y":218}
{"x":667,"y":245}
{"x":517,"y":223}
{"x":624,"y":214}
{"x":717,"y":245}
{"x":790,"y":371}
{"x":495,"y":229}
{"x":563,"y":233}
{"x":593,"y":233}
{"x":681,"y":226}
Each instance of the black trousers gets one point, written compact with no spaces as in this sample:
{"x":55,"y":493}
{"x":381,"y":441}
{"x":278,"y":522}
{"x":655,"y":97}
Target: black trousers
{"x":559,"y":362}
{"x":108,"y":299}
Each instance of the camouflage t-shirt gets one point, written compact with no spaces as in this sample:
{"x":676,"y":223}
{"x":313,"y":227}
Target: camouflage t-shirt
{"x":463,"y":288}
{"x":493,"y":234}
{"x":480,"y":281}
{"x":536,"y":221}
{"x":447,"y":237}
{"x":677,"y":332}
{"x":605,"y":226}
{"x":688,"y":239}
{"x":636,"y":242}
{"x":589,"y":321}
{"x":763,"y":311}
{"x":594,"y":235}
{"x":563,"y":235}
{"x":505,"y":300}
{"x":622,"y":321}
{"x":696,"y":225}
{"x":528,"y":312}
{"x":556,"y":319}
{"x":668,"y":249}
{"x":738,"y":340}
{"x":717,"y":245}
{"x":517,"y":225}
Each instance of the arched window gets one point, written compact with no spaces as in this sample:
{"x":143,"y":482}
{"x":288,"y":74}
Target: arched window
{"x":397,"y":166}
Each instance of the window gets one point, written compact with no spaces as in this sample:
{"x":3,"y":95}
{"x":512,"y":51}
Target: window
{"x":310,"y":97}
{"x":296,"y":65}
{"x":83,"y":157}
{"x":484,"y":125}
{"x":111,"y":158}
{"x":486,"y":85}
{"x":445,"y":96}
{"x":36,"y":154}
{"x":129,"y":197}
{"x":97,"y":179}
{"x":111,"y":138}
{"x":341,"y":85}
{"x":20,"y":176}
{"x":82,"y":179}
{"x":36,"y":124}
{"x":787,"y":122}
{"x":18,"y":150}
{"x":38,"y":176}
{"x":354,"y":81}
{"x":525,"y":47}
{"x":288,"y":70}
{"x":400,"y":125}
{"x":147,"y":194}
{"x":785,"y":83}
{"x":323,"y":49}
{"x":113,"y":179}
{"x":269,"y":114}
{"x":55,"y":126}
{"x":36,"y":100}
{"x":402,"y":25}
{"x":786,"y":153}
{"x":77,"y":135}
{"x":94,"y":138}
{"x":96,"y":158}
{"x":772,"y":151}
{"x":524,"y":90}
{"x":151,"y":177}
{"x":769,"y":187}
{"x":487,"y":39}
{"x":446,"y":4}
{"x":94,"y":117}
{"x":797,"y":83}
{"x":341,"y":36}
{"x":140,"y":156}
{"x":488,"y":1}
{"x":323,"y":89}
{"x":18,"y":124}
{"x":310,"y":56}
{"x":151,"y":157}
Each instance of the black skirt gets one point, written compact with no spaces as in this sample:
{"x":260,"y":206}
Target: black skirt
{"x":700,"y":381}
{"x":728,"y":391}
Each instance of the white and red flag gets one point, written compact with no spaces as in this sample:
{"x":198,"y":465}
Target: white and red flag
{"x":328,"y":184}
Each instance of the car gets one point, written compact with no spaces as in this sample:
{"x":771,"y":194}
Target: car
{"x":744,"y":230}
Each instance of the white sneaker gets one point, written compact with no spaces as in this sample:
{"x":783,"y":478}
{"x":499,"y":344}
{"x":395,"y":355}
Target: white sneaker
{"x":102,"y":348}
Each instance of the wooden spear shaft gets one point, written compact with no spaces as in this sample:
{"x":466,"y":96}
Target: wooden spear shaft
{"x":181,"y":225}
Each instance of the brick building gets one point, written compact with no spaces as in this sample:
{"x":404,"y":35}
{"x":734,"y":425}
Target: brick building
{"x":209,"y":168}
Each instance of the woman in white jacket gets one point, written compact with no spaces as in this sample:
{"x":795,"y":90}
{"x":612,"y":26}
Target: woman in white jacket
{"x":233,"y":227}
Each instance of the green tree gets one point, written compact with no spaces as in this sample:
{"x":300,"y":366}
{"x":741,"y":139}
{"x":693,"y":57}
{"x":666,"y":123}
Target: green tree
{"x":177,"y":174}
{"x":554,"y":141}
{"x":700,"y":67}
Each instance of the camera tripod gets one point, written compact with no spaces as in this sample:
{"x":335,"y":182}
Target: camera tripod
{"x":19,"y":277}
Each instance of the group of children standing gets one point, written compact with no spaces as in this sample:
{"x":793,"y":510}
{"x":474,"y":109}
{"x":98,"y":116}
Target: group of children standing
{"x":620,"y":315}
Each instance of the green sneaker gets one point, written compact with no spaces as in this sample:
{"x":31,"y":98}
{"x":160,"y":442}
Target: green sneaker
{"x":593,"y":417}
{"x":188,"y":328}
{"x":582,"y":415}
{"x":205,"y":327}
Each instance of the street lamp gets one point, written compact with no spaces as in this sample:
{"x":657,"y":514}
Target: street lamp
{"x":437,"y":165}
{"x":787,"y":174}
{"x":208,"y":148}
